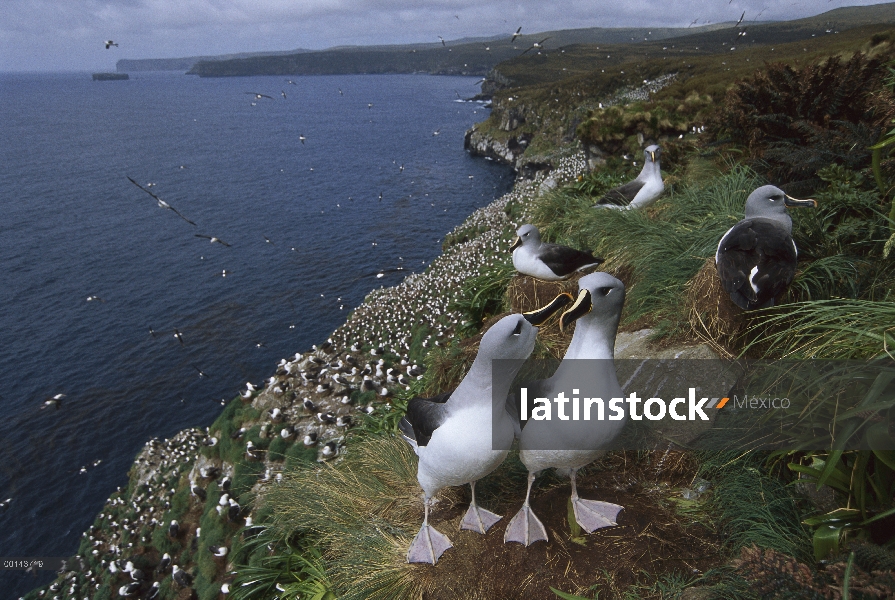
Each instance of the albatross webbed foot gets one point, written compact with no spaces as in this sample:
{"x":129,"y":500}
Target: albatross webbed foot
{"x":479,"y":519}
{"x":428,"y":545}
{"x":593,"y":514}
{"x":525,"y":528}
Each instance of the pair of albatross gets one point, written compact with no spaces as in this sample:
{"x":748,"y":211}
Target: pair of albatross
{"x":463,"y":435}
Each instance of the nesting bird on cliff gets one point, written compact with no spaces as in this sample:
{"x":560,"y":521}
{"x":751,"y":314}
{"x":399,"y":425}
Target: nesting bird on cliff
{"x":548,"y":262}
{"x":567,"y":445}
{"x":756,"y":259}
{"x":641,"y":191}
{"x":461,"y":436}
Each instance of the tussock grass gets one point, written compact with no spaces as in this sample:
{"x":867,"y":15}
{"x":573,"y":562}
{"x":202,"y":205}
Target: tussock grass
{"x":363,"y":513}
{"x":754,"y":507}
{"x":839,"y":329}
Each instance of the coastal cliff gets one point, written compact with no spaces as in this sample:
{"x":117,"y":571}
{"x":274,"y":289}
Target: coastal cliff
{"x":214,"y":501}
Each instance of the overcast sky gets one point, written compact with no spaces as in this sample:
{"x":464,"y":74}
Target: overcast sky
{"x":65,"y":35}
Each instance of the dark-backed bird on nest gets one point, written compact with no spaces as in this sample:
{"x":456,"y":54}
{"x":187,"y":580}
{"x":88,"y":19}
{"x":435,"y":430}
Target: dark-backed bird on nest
{"x":756,"y":259}
{"x":641,"y":191}
{"x":548,"y":262}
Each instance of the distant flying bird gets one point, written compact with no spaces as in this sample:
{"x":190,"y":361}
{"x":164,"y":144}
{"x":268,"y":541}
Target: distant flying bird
{"x":259,"y":96}
{"x":152,"y":332}
{"x":110,"y":43}
{"x":341,"y":93}
{"x":301,"y":138}
{"x":266,"y":239}
{"x":536,"y":45}
{"x":161,"y":203}
{"x":380,"y":196}
{"x":290,"y":82}
{"x":54,"y":402}
{"x":213,"y":239}
{"x":201,"y":372}
{"x":743,"y":16}
{"x":179,"y":336}
{"x":442,"y":41}
{"x":370,"y":105}
{"x":515,"y":35}
{"x":436,"y":132}
{"x":283,"y":92}
{"x":92,"y":298}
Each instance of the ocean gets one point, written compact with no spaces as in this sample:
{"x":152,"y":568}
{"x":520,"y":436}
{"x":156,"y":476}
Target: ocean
{"x":96,"y":278}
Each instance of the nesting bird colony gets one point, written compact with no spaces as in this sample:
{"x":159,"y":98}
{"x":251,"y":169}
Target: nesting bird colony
{"x":314,"y":398}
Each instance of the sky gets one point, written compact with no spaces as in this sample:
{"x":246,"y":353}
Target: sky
{"x":69,"y":35}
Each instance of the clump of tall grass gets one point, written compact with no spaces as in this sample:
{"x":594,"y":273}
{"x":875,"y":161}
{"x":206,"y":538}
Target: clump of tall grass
{"x":840,"y":328}
{"x":753,"y":506}
{"x":363,"y":513}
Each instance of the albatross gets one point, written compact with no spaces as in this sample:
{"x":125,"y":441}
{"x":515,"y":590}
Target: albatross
{"x":548,"y":262}
{"x":568,"y":445}
{"x":756,"y":259}
{"x":643,"y":190}
{"x":161,"y":203}
{"x":461,"y":436}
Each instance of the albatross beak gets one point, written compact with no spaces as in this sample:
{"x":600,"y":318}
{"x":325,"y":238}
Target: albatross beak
{"x":652,"y":156}
{"x":582,"y":306}
{"x":794,"y":202}
{"x":516,"y":244}
{"x":536,"y":317}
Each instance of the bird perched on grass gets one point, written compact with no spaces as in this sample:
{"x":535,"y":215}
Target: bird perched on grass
{"x":548,"y":262}
{"x":644,"y":190}
{"x":460,"y":436}
{"x":756,"y":259}
{"x":569,"y":444}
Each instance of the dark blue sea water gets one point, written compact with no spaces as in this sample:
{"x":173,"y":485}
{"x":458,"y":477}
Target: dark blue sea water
{"x":72,"y":226}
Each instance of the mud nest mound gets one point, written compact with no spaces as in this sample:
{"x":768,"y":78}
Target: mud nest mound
{"x":713,"y":316}
{"x":526,"y":293}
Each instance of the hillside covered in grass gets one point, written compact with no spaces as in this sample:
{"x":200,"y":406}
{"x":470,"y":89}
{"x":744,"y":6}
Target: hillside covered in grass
{"x":331,"y":516}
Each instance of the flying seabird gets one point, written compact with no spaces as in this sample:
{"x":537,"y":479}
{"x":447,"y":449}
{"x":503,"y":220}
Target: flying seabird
{"x":568,"y":445}
{"x":55,"y":402}
{"x":161,"y":203}
{"x":283,"y":93}
{"x":214,"y":240}
{"x":259,"y":96}
{"x":536,"y":45}
{"x":642,"y":191}
{"x":548,"y":262}
{"x":302,"y":139}
{"x":515,"y":35}
{"x":179,"y":336}
{"x":756,"y":259}
{"x":110,"y":43}
{"x":442,"y":41}
{"x":454,"y":434}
